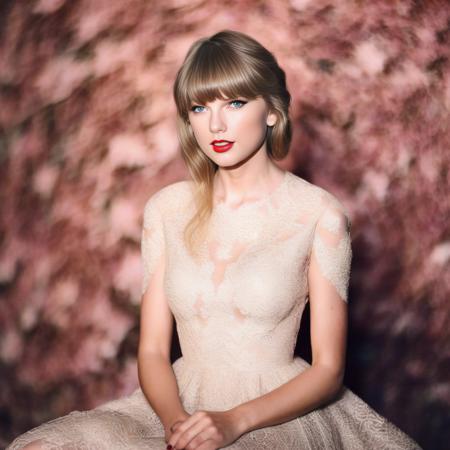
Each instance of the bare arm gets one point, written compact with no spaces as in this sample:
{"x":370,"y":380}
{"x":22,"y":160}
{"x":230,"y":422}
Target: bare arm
{"x":328,"y":280}
{"x":156,"y":376}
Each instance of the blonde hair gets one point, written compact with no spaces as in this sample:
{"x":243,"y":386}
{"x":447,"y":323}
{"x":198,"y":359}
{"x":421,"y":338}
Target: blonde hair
{"x":228,"y":64}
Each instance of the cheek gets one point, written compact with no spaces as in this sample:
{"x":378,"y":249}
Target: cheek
{"x":198,"y":131}
{"x":252,"y":126}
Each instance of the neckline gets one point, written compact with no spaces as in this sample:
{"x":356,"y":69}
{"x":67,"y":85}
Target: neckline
{"x":255,"y":203}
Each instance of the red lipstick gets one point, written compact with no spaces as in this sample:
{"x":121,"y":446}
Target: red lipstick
{"x":221,"y":146}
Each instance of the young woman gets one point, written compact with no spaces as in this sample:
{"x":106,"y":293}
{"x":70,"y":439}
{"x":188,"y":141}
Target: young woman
{"x":233,"y":255}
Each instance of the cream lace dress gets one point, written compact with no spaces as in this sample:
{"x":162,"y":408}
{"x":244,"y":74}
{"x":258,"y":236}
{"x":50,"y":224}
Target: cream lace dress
{"x":238,"y":310}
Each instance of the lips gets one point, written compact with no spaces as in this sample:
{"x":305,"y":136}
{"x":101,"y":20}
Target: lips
{"x":220,"y":141}
{"x":221,"y":145}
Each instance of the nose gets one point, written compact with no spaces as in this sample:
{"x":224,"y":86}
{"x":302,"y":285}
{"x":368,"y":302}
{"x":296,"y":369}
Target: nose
{"x":217,"y":122}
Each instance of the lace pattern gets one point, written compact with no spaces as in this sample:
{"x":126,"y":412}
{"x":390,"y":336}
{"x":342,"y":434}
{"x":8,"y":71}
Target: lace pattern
{"x":332,"y":247}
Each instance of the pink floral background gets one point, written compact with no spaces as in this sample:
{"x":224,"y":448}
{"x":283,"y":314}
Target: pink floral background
{"x":87,"y":134}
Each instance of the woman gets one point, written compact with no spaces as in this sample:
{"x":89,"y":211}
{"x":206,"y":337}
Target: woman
{"x":234,"y":255}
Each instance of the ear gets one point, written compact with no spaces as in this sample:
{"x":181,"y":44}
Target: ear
{"x":271,"y":119}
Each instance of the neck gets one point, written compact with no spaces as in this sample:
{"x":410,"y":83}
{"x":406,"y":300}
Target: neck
{"x":235,"y":186}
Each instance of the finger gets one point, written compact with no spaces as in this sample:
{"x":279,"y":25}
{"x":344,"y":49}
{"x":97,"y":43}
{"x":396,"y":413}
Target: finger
{"x":183,"y":427}
{"x":209,"y":444}
{"x":207,"y":435}
{"x":195,"y":435}
{"x":175,"y":425}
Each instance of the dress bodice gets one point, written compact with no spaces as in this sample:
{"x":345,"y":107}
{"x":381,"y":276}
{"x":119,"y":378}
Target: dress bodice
{"x":240,"y":303}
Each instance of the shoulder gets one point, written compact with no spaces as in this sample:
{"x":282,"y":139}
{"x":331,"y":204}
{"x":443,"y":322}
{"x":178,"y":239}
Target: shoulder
{"x":168,"y":198}
{"x":318,"y":200}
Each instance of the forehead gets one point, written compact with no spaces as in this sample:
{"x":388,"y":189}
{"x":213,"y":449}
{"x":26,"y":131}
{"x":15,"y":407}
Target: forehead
{"x":200,"y":91}
{"x":220,"y":100}
{"x":226,"y":99}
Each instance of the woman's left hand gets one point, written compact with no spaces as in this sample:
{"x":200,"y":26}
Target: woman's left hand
{"x":206,"y":430}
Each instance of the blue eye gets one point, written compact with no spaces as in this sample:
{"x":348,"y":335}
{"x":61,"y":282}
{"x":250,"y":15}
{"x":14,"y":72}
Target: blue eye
{"x":240,"y":103}
{"x":194,"y":108}
{"x":236,"y":104}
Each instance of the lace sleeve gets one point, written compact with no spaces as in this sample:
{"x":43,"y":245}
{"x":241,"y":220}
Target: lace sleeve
{"x":152,"y":241}
{"x":331,"y":247}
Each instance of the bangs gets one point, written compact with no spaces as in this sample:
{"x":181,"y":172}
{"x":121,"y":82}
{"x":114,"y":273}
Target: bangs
{"x":216,"y":73}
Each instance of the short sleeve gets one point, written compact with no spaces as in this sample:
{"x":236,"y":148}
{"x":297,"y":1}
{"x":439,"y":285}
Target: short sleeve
{"x":152,"y":241}
{"x":332,"y":246}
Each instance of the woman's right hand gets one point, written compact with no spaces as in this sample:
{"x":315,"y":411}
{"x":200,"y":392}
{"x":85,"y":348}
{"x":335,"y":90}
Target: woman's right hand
{"x":169,"y":430}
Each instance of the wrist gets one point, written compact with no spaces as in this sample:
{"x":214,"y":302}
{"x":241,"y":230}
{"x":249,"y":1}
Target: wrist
{"x":243,"y":418}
